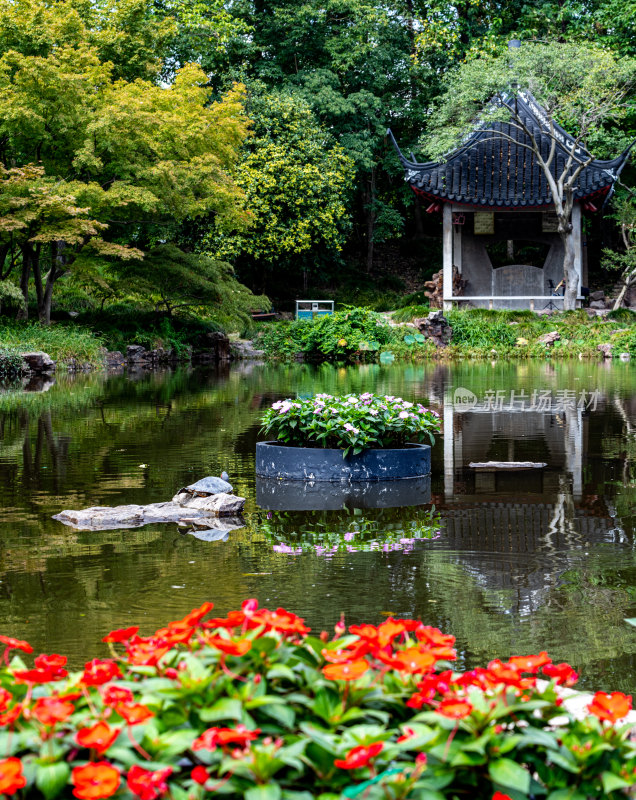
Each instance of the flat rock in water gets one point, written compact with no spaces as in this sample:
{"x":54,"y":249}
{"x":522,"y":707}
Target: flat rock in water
{"x":104,"y":518}
{"x":494,"y":466}
{"x":221,"y":504}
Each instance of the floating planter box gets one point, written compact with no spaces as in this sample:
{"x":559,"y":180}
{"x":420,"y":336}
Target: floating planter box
{"x":274,"y":460}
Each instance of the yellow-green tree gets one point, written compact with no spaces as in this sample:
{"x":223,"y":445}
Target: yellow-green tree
{"x":296,"y":179}
{"x":91,"y":161}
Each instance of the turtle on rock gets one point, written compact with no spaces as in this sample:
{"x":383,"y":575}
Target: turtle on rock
{"x":207,"y":486}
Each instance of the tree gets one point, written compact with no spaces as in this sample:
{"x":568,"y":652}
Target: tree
{"x":582,"y":87}
{"x":296,"y":180}
{"x":625,"y":261}
{"x":88,"y":161}
{"x":175,"y":281}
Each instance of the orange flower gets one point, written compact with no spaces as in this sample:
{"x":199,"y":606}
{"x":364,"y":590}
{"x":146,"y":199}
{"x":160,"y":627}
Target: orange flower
{"x":280,"y":620}
{"x":612,"y":706}
{"x":562,"y":673}
{"x":95,"y":781}
{"x":350,"y":653}
{"x":388,"y":630}
{"x":197,"y":614}
{"x":121,"y":634}
{"x":11,"y":777}
{"x":134,"y":713}
{"x":10,"y":716}
{"x":359,"y":756}
{"x":454,"y":707}
{"x":175,"y":633}
{"x":368,"y":632}
{"x":50,"y":710}
{"x":213,"y":737}
{"x":433,"y":636}
{"x":97,"y":672}
{"x":530,"y":663}
{"x":346,"y":672}
{"x":233,"y":620}
{"x":499,"y":672}
{"x":413,"y":660}
{"x":228,"y":646}
{"x":146,"y":652}
{"x":99,"y":737}
{"x":146,"y":784}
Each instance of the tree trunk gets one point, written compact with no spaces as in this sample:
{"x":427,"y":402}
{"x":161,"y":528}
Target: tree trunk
{"x":370,"y":209}
{"x":569,"y":271}
{"x":25,"y":274}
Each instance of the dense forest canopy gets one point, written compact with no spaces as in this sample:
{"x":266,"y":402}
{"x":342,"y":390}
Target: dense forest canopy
{"x":251,"y":131}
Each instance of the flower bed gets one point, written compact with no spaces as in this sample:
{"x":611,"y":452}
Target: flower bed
{"x":252,"y":705}
{"x":353,"y":423}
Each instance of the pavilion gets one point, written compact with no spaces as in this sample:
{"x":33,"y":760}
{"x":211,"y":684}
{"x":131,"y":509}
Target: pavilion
{"x":497,"y":206}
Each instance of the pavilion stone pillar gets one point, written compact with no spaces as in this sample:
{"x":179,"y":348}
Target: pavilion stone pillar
{"x":578,"y":247}
{"x":447,"y":239}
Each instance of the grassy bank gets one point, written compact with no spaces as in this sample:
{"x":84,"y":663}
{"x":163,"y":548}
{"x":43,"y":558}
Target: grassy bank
{"x":62,"y":342}
{"x":362,"y":335}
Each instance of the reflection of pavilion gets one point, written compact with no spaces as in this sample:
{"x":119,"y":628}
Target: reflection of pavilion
{"x":519,"y":531}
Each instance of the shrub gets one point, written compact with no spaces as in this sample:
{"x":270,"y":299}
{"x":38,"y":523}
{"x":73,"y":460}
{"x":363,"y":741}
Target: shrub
{"x":350,"y":422}
{"x":11,"y":364}
{"x":252,"y":705}
{"x":61,"y":342}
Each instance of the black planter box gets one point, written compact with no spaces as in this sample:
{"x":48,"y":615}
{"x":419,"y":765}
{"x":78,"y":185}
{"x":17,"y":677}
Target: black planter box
{"x":274,"y":460}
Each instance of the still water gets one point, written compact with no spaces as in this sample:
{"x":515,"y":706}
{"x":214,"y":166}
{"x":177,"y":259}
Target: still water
{"x":509,"y":563}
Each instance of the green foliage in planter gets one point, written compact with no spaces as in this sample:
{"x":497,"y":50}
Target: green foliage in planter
{"x":252,"y":705}
{"x":352,"y":423}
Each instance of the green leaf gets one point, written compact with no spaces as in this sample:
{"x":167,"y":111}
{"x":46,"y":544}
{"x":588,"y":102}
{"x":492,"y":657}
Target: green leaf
{"x":508,"y":773}
{"x":631,"y":621}
{"x":284,"y":715}
{"x":52,"y":778}
{"x":270,"y":792}
{"x":408,"y":339}
{"x":419,"y":338}
{"x":611,"y":782}
{"x":225,"y":708}
{"x":567,"y":794}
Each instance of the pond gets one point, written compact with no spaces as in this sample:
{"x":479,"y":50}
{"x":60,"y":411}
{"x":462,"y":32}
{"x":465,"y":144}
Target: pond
{"x":509,"y":563}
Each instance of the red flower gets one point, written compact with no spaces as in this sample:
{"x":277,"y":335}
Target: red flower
{"x":95,"y":781}
{"x":530,"y":663}
{"x":249,"y":607}
{"x":121,"y":634}
{"x":53,"y":663}
{"x":199,"y":775}
{"x":146,"y":652}
{"x":134,"y":713}
{"x":11,"y":777}
{"x":359,"y":756}
{"x":16,"y":644}
{"x":409,"y":733}
{"x":146,"y":784}
{"x":5,"y":699}
{"x":508,"y":674}
{"x":97,"y":672}
{"x":37,"y":675}
{"x":562,"y":673}
{"x":235,"y":619}
{"x":99,"y":737}
{"x":454,"y":707}
{"x":228,"y":646}
{"x":280,"y":620}
{"x":50,"y":710}
{"x":612,"y":706}
{"x":501,"y":796}
{"x":112,"y":695}
{"x":346,"y":672}
{"x":224,"y":736}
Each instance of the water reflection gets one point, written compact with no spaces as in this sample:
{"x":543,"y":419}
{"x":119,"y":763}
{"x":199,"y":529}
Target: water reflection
{"x":517,"y":562}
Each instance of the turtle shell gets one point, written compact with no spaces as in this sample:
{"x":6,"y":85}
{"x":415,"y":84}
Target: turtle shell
{"x":207,"y":486}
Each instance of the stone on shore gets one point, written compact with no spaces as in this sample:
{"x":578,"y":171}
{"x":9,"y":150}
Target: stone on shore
{"x":39,"y":362}
{"x":549,"y":338}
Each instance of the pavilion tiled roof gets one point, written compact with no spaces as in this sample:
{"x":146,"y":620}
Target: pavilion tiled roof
{"x":489,"y":170}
